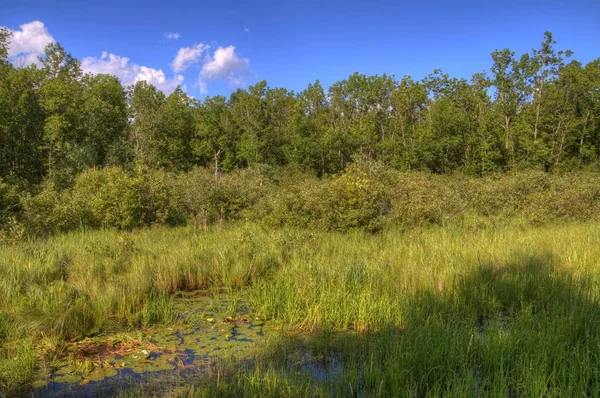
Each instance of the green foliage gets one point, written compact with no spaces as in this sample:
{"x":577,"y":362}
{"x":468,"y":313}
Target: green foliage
{"x":368,"y":196}
{"x":50,"y":211}
{"x":170,"y":159}
{"x":21,"y":125}
{"x":107,"y":197}
{"x":56,"y":122}
{"x":355,"y":199}
{"x":9,"y":201}
{"x":117,"y":199}
{"x":105,"y":119}
{"x":420,"y":198}
{"x":17,"y":366}
{"x":207,"y":200}
{"x":535,"y":111}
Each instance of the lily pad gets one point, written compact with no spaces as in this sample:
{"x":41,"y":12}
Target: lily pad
{"x":69,"y":379}
{"x":39,"y":384}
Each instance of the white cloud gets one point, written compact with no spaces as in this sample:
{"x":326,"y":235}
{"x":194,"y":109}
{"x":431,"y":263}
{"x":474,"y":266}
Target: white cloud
{"x":129,"y":72}
{"x":187,"y":56}
{"x":225,"y":64}
{"x":171,"y":36}
{"x":28,"y":43}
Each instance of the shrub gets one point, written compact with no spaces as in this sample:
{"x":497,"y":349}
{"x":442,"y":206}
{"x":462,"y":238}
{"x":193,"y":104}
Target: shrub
{"x":50,"y":211}
{"x":107,"y":197}
{"x":355,"y":199}
{"x":366,"y":196}
{"x":420,"y":198}
{"x":117,"y":199}
{"x":230,"y":198}
{"x":9,"y":202}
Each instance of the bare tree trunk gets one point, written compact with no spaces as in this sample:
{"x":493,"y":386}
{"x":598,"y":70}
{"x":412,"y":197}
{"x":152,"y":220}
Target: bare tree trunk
{"x":583,"y":133}
{"x":50,"y":161}
{"x":537,"y":111}
{"x":562,"y":142}
{"x":403,"y":131}
{"x":535,"y":126}
{"x":554,"y":140}
{"x":507,"y":137}
{"x":217,"y":165}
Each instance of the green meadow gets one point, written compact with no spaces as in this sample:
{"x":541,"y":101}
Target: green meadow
{"x":511,"y":310}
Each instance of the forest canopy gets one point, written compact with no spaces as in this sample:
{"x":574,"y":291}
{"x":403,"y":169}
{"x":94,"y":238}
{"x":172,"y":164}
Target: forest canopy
{"x":538,"y":110}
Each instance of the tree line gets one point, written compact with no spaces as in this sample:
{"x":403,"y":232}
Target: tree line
{"x":540,"y":110}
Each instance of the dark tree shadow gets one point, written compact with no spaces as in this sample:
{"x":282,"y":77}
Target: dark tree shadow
{"x":530,"y":327}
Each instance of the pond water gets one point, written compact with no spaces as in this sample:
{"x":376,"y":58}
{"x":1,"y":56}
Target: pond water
{"x":208,"y":330}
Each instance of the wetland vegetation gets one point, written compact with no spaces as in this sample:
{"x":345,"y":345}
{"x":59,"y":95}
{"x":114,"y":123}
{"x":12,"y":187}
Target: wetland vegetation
{"x":382,"y":238}
{"x":430,"y":311}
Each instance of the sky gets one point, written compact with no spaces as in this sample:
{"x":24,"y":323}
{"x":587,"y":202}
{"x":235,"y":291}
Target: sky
{"x":214,"y":47}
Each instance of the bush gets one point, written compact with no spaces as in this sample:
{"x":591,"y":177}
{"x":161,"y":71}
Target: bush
{"x":9,"y":202}
{"x":420,"y":198}
{"x":105,"y":198}
{"x":205,"y":200}
{"x":112,"y":198}
{"x":537,"y":197}
{"x":50,"y":211}
{"x":366,"y":196}
{"x":355,"y":199}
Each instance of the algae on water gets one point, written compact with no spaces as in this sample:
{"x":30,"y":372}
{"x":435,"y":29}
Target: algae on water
{"x":205,"y":330}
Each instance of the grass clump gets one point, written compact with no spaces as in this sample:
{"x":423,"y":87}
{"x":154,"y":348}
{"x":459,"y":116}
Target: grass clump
{"x":18,"y":363}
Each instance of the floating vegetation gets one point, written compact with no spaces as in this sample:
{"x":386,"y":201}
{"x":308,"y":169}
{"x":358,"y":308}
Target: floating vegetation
{"x":205,"y":333}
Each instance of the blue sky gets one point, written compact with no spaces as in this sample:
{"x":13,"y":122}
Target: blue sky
{"x":226,"y":44}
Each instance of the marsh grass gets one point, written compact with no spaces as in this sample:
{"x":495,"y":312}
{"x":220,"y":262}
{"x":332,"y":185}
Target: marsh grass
{"x":523,"y":324}
{"x":458,"y":311}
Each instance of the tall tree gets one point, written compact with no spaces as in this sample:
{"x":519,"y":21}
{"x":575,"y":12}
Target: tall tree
{"x":216,"y":134}
{"x":408,"y":104}
{"x":146,"y":105}
{"x":546,"y":64}
{"x":61,"y":94}
{"x":510,"y":93}
{"x":307,"y":146}
{"x":174,"y":145}
{"x":248,"y":109}
{"x":105,"y":118}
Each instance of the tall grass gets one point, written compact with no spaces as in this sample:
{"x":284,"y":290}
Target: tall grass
{"x":459,"y":310}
